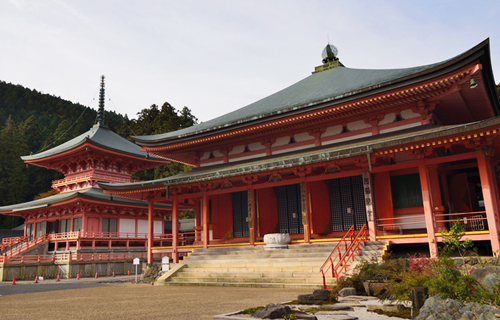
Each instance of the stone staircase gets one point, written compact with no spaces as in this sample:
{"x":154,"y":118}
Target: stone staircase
{"x":295,"y":267}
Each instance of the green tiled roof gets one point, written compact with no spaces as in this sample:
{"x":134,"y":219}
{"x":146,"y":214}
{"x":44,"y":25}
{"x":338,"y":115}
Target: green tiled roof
{"x":329,"y":85}
{"x":99,"y":136}
{"x":91,"y":193}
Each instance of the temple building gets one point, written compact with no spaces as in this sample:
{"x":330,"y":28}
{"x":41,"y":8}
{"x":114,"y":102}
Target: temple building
{"x":81,"y":218}
{"x":405,"y":152}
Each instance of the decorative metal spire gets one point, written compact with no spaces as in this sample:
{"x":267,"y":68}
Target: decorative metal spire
{"x":330,"y":53}
{"x":100,"y":112}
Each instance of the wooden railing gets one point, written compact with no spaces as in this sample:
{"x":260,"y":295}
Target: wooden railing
{"x":13,"y":240}
{"x":66,"y":257}
{"x":186,"y":238}
{"x":407,"y":224}
{"x":24,"y":246}
{"x":93,"y":176}
{"x":346,"y":249}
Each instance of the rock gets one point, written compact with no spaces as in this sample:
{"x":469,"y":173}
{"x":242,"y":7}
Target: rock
{"x":321,"y":294}
{"x":309,"y":298}
{"x":273,"y":311}
{"x":317,"y":297}
{"x":436,"y":308}
{"x":480,"y":273}
{"x":491,"y":281}
{"x":344,"y":292}
{"x":386,"y":307}
{"x":337,"y":306}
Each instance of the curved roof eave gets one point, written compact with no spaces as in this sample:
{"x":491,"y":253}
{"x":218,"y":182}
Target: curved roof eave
{"x":334,"y":84}
{"x":90,"y":193}
{"x":98,"y":136}
{"x":369,"y":144}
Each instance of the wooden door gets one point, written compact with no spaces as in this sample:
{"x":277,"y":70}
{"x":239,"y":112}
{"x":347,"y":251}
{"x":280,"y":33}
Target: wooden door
{"x":93,"y":225}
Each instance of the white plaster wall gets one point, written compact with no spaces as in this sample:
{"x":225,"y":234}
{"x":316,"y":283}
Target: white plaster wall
{"x":294,"y":149}
{"x":368,"y":134}
{"x":258,"y":155}
{"x":357,"y":125}
{"x":217,"y":153}
{"x":409,"y":114}
{"x":142,"y":226}
{"x":211,"y":163}
{"x":236,"y":150}
{"x":406,"y":126}
{"x":255,"y":146}
{"x":388,"y":118}
{"x":330,"y":131}
{"x":281,"y":141}
{"x":206,"y":155}
{"x":304,"y":136}
{"x":157,"y":227}
{"x":127,"y":225}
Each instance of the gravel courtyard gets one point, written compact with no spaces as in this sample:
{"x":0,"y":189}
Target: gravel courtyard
{"x":140,"y":301}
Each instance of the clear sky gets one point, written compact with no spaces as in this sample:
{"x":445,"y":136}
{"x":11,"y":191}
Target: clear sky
{"x":217,"y":56}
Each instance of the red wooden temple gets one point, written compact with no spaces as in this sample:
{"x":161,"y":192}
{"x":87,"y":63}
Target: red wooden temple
{"x":406,"y":151}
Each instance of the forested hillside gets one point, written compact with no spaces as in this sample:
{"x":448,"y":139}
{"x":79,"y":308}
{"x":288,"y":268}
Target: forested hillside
{"x":31,"y":122}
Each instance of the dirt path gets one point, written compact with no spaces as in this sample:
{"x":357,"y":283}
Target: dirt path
{"x":140,"y":301}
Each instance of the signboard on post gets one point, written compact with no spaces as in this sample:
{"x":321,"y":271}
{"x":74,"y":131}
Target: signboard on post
{"x":136,"y":263}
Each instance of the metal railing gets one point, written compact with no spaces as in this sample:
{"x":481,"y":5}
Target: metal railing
{"x":346,"y":249}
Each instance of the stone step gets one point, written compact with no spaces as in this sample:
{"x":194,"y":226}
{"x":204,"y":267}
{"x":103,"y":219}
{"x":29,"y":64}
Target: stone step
{"x":296,"y":267}
{"x":246,"y":284}
{"x":201,"y":274}
{"x":252,"y":280}
{"x":253,"y":264}
{"x":260,"y":260}
{"x":254,"y":269}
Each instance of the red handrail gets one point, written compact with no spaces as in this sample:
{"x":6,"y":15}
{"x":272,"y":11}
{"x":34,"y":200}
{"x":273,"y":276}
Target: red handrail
{"x":351,"y":251}
{"x":24,"y":246}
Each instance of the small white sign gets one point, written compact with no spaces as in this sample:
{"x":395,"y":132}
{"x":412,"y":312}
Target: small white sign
{"x":165,"y":264}
{"x":136,"y":261}
{"x":40,"y":278}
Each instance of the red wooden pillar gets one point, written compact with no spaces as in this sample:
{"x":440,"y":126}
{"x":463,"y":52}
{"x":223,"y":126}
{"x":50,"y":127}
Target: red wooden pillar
{"x":197,"y":220}
{"x":437,"y":201}
{"x":150,"y":229}
{"x":306,"y":214}
{"x":429,"y":219}
{"x":206,"y":232}
{"x":490,"y":199}
{"x":252,"y":215}
{"x":175,"y":228}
